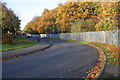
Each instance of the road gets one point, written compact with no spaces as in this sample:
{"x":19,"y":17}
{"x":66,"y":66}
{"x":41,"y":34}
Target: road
{"x":64,"y":59}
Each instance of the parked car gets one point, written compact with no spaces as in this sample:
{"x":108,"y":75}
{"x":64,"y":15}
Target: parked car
{"x":28,"y":36}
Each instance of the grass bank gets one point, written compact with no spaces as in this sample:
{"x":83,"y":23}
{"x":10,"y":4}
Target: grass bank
{"x":18,"y":43}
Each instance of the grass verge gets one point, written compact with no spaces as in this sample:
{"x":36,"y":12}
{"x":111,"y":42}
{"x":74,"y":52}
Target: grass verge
{"x":18,"y":43}
{"x":111,"y":52}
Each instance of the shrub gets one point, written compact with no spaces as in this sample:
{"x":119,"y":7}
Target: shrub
{"x":7,"y":38}
{"x":83,"y":25}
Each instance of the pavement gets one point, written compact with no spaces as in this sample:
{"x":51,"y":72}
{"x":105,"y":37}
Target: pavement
{"x":40,"y":46}
{"x":65,"y":59}
{"x":111,"y":71}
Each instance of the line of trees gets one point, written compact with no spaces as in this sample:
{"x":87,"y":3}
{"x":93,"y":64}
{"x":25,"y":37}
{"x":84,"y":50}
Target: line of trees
{"x":10,"y":24}
{"x":76,"y":17}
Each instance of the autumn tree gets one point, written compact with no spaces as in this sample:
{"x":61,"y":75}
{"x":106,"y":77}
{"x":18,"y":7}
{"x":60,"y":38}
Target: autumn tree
{"x":47,"y":22}
{"x":10,"y":24}
{"x":79,"y":17}
{"x":108,"y":16}
{"x":31,"y":27}
{"x":73,"y":12}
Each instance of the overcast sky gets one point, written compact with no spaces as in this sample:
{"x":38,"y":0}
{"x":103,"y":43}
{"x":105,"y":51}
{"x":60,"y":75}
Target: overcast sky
{"x":27,"y":9}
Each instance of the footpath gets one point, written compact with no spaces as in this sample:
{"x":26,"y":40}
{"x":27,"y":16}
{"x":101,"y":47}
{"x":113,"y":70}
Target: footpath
{"x":24,"y":51}
{"x":111,"y":71}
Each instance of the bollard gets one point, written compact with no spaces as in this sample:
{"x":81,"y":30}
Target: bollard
{"x":38,"y":39}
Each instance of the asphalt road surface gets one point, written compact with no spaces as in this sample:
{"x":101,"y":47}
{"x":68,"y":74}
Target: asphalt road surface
{"x":64,"y":59}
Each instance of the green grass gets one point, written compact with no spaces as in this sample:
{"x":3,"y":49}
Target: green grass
{"x":18,"y":44}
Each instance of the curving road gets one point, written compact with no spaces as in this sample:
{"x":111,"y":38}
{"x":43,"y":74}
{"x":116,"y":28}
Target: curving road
{"x":64,"y":59}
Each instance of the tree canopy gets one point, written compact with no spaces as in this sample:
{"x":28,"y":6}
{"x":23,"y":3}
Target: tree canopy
{"x":77,"y":17}
{"x":10,"y":22}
